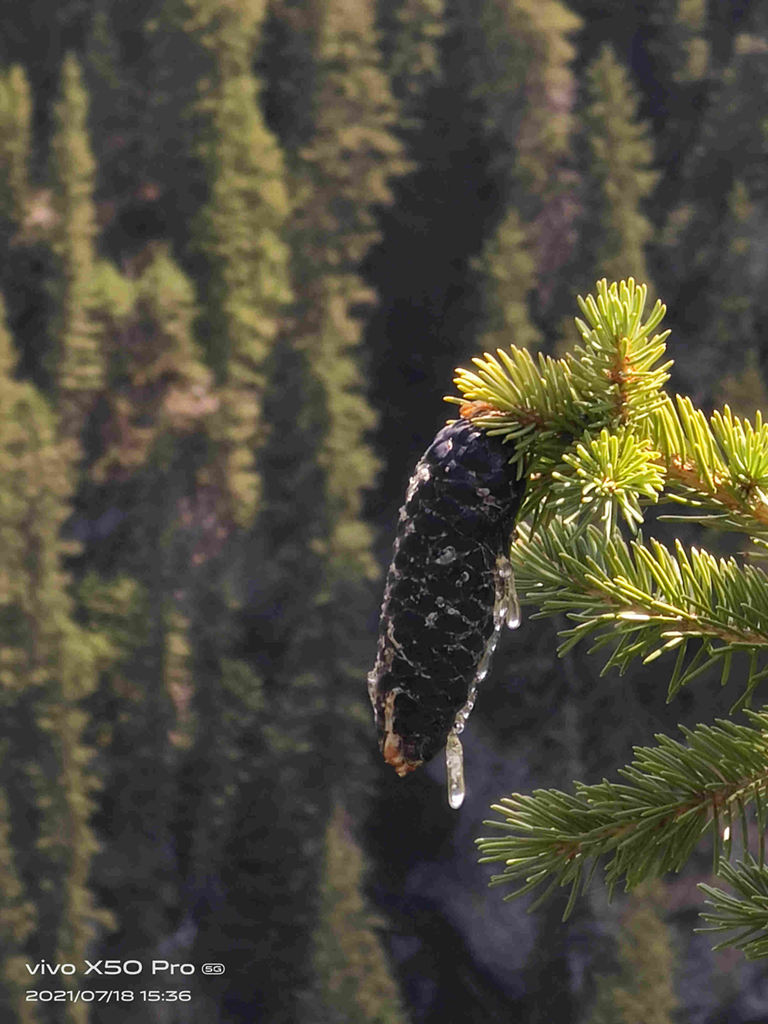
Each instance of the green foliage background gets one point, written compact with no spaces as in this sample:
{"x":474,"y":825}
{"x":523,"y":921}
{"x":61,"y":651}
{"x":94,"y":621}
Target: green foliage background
{"x":244,"y":245}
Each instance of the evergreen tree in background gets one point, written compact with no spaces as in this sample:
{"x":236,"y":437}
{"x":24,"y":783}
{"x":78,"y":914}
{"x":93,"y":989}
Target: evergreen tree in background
{"x":412,"y":34}
{"x":643,"y":988}
{"x":619,"y":177}
{"x":680,"y":45}
{"x":76,"y":360}
{"x":518,"y":58}
{"x":509,"y":275}
{"x":15,"y":146}
{"x":342,"y":177}
{"x":714,"y":233}
{"x":353,"y":982}
{"x":49,"y":665}
{"x":241,"y":238}
{"x":245,"y":290}
{"x":687,"y":28}
{"x":132,"y":717}
{"x":17,"y":920}
{"x":18,"y":912}
{"x":146,"y":533}
{"x":157,"y":387}
{"x":310,"y":556}
{"x":25,"y":217}
{"x":731,"y":335}
{"x":118,"y":113}
{"x":353,"y":153}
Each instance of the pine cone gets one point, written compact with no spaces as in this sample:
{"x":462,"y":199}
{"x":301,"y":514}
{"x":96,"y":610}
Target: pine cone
{"x":437,"y":618}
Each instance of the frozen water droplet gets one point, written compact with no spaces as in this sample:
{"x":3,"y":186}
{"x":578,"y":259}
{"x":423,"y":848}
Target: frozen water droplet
{"x":464,"y":712}
{"x":454,"y":769}
{"x":440,"y":601}
{"x":485,"y":662}
{"x":506,"y":611}
{"x":372,"y":680}
{"x":503,"y":567}
{"x":514,"y":618}
{"x":447,"y":556}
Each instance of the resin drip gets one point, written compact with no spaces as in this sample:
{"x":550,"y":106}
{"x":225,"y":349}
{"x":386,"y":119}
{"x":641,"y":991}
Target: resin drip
{"x":454,"y":770}
{"x":506,"y":612}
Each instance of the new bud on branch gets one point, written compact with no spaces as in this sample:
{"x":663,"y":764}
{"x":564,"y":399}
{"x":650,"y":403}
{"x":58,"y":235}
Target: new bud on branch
{"x":448,"y":592}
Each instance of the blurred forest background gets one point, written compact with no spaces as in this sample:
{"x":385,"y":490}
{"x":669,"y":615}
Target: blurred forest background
{"x":244,"y":244}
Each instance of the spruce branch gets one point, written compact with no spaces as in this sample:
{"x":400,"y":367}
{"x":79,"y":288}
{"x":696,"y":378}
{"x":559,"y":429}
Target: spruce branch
{"x":718,"y":465}
{"x":531,"y":399}
{"x":604,"y":478}
{"x":674,"y":794}
{"x":599,"y":440}
{"x":615,"y":369}
{"x":612,"y":378}
{"x":559,"y":415}
{"x":644,"y":600}
{"x":548,"y":410}
{"x":746,"y":911}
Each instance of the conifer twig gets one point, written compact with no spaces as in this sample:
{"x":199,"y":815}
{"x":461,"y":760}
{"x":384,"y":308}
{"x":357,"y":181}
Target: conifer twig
{"x":674,"y":794}
{"x":599,"y":440}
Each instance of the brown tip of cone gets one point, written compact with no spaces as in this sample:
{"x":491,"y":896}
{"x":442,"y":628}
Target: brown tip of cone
{"x":394,"y":756}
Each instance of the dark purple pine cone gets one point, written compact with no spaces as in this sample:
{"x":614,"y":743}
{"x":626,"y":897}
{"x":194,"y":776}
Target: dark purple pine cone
{"x":437,"y":618}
